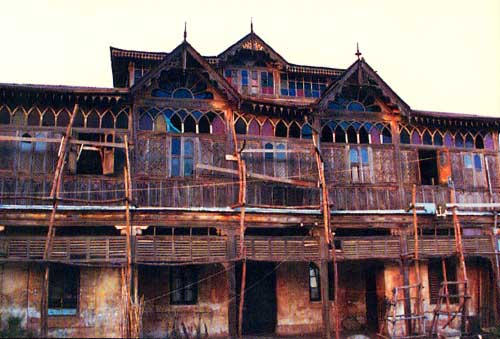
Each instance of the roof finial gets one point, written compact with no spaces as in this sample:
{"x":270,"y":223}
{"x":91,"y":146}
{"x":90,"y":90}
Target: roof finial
{"x":358,"y":53}
{"x":185,"y":31}
{"x":251,"y":24}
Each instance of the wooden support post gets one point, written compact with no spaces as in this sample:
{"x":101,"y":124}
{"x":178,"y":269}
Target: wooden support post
{"x":231,"y":277}
{"x":325,"y":302}
{"x":242,"y":294}
{"x":56,"y":185}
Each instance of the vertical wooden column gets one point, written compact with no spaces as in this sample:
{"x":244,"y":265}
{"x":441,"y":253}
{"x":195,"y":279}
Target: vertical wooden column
{"x":397,"y":160}
{"x":229,"y":266}
{"x":54,"y":195}
{"x":324,"y":283}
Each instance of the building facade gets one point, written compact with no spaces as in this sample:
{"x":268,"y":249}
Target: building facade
{"x":318,"y":192}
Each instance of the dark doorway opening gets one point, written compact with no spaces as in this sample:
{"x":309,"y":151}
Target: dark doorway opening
{"x":372,"y":310}
{"x":427,"y":161}
{"x":259,"y":311}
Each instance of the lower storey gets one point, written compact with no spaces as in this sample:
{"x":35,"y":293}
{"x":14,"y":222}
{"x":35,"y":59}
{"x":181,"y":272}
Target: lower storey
{"x":280,"y":298}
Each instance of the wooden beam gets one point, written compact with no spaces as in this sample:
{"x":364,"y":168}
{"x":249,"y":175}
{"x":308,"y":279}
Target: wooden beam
{"x":274,"y":150}
{"x":58,"y":140}
{"x":295,"y":182}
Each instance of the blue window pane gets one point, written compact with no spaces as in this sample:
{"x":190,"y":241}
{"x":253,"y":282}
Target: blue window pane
{"x":315,"y":87}
{"x":188,"y":167}
{"x":176,"y":168}
{"x":467,"y":161}
{"x":356,"y":106}
{"x":364,"y":156}
{"x":284,"y":91}
{"x":281,"y":155}
{"x":307,"y":89}
{"x":188,"y":148}
{"x":322,"y":88}
{"x":306,"y":131}
{"x":315,"y":94}
{"x":477,"y":162}
{"x":268,"y":156}
{"x":176,"y":146}
{"x":227,"y":73}
{"x":270,"y":81}
{"x":353,"y":156}
{"x":182,"y":93}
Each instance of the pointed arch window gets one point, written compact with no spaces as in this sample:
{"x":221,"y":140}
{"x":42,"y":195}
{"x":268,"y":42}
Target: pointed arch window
{"x":218,"y":126}
{"x":479,"y":142}
{"x":294,"y":131}
{"x":48,"y":118}
{"x":363,"y":136}
{"x":281,"y":129}
{"x":174,"y":123}
{"x":34,"y":118}
{"x":4,"y":116}
{"x":326,"y":134}
{"x":122,"y":121}
{"x":352,"y":137}
{"x":107,"y":121}
{"x":375,"y":135}
{"x":253,"y":127}
{"x":438,"y":139}
{"x":306,"y":131}
{"x":459,"y":140}
{"x":204,"y":125}
{"x":189,"y":125}
{"x":145,"y":122}
{"x":63,"y":118}
{"x":488,"y":142}
{"x":340,"y":137}
{"x":92,"y":120}
{"x":240,"y":126}
{"x":448,"y":139}
{"x":160,"y":123}
{"x":386,"y":136}
{"x":267,"y":129}
{"x":404,"y":137}
{"x":427,"y":138}
{"x":469,"y":141}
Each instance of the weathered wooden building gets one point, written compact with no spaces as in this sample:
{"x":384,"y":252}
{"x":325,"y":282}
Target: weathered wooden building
{"x":318,"y":192}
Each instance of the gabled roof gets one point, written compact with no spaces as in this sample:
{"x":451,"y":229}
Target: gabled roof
{"x":362,"y":66}
{"x":251,"y":41}
{"x":185,"y":47}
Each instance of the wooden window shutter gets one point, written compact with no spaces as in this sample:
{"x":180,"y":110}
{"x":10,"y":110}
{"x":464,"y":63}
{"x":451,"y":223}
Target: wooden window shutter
{"x":108,"y":161}
{"x":444,"y":166}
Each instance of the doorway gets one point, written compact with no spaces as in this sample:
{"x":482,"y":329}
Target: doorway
{"x":372,"y":300}
{"x":259,"y":311}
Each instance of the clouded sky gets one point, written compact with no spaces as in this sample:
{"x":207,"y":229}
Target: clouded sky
{"x":441,"y":55}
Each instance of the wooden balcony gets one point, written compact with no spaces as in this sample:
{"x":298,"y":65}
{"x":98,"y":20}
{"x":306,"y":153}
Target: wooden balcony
{"x":211,"y":249}
{"x":282,"y":248}
{"x":180,"y":249}
{"x":389,"y":247}
{"x":65,"y":249}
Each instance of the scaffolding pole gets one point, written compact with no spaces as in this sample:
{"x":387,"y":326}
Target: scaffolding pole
{"x":54,"y":194}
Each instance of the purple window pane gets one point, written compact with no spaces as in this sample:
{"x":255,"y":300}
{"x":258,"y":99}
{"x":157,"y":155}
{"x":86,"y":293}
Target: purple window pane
{"x":253,"y":128}
{"x":267,"y":129}
{"x":375,"y":135}
{"x":218,"y":126}
{"x":415,"y":138}
{"x":448,"y":140}
{"x":488,"y":142}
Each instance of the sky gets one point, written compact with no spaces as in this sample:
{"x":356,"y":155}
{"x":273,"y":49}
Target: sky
{"x":439,"y":55}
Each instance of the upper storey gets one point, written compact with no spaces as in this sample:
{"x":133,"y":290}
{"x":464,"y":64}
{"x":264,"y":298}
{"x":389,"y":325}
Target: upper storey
{"x":250,"y":65}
